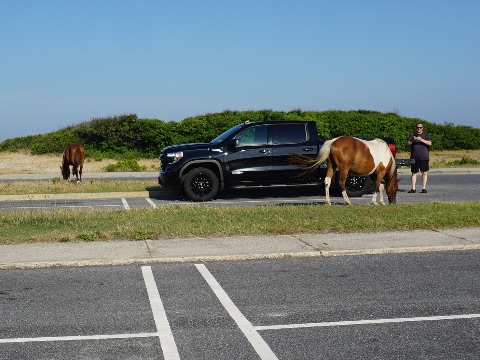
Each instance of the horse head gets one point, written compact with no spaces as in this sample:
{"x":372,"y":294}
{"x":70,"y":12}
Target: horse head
{"x":65,"y":169}
{"x":391,"y":186}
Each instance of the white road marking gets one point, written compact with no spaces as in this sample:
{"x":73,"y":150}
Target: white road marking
{"x":367,"y":322}
{"x":77,"y":338}
{"x":260,"y":346}
{"x":125,"y":204}
{"x":167,"y":341}
{"x":151,"y":202}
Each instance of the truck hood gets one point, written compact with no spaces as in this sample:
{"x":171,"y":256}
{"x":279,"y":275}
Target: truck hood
{"x":186,"y":147}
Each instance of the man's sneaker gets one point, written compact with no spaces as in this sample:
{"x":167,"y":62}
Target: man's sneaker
{"x":423,"y":191}
{"x":413,"y":191}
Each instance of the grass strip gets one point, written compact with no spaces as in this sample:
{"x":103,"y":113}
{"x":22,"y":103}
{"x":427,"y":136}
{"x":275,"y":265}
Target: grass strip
{"x":200,"y":221}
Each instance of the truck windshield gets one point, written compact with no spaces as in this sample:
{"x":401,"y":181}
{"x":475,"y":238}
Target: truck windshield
{"x":226,"y":134}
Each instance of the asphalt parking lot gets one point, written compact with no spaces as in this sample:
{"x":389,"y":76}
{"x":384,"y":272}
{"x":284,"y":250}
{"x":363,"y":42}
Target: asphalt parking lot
{"x":346,"y":307}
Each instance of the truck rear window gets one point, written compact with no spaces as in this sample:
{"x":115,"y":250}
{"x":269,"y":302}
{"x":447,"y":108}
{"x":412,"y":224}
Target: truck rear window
{"x":291,"y":133}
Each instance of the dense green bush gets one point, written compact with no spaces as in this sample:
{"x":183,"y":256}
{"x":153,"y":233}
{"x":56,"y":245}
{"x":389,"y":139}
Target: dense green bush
{"x":128,"y":138}
{"x":125,"y":165}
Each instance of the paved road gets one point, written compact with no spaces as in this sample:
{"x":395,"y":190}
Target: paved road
{"x":397,"y":306}
{"x":443,"y":186}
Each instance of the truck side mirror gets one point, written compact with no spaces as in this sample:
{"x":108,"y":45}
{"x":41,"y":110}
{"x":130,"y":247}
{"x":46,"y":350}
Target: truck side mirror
{"x":234,"y":143}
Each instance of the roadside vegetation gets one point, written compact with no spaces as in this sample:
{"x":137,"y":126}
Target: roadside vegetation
{"x":125,"y":137}
{"x":200,"y":221}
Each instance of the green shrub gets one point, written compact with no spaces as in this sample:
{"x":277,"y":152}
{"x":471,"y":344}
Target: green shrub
{"x":125,"y":137}
{"x":125,"y":165}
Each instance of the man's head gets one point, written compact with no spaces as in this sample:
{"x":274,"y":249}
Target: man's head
{"x":419,"y":128}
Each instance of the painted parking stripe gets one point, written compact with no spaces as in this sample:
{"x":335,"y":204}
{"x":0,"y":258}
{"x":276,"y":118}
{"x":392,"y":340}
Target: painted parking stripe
{"x":368,"y":322}
{"x":125,"y":204}
{"x":169,"y":347}
{"x":78,"y":338}
{"x":151,"y":202}
{"x":260,"y":346}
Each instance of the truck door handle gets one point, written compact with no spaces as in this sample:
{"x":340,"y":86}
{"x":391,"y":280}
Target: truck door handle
{"x":308,"y":149}
{"x":264,"y":151}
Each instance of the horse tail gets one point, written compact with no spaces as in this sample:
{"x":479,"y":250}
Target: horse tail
{"x":310,"y":164}
{"x":324,"y":152}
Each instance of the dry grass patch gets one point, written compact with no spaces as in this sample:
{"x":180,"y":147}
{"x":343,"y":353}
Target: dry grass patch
{"x":441,"y":159}
{"x":23,"y":162}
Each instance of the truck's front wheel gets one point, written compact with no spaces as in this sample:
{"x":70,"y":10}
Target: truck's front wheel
{"x":201,"y":184}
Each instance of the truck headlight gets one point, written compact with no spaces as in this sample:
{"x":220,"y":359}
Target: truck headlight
{"x":174,"y":156}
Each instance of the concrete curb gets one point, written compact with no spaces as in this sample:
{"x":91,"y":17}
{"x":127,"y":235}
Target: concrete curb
{"x":44,"y":255}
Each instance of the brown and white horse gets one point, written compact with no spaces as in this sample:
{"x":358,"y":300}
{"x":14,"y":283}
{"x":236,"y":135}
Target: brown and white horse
{"x":73,"y":155}
{"x":358,"y":157}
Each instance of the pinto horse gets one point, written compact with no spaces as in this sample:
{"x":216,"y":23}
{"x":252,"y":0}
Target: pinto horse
{"x":359,"y":157}
{"x":73,"y":155}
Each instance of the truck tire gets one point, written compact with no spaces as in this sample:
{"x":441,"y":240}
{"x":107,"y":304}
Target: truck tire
{"x":201,"y":184}
{"x":357,"y":186}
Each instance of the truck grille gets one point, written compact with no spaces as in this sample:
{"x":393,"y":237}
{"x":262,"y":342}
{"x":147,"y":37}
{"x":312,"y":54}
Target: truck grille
{"x":163,"y":160}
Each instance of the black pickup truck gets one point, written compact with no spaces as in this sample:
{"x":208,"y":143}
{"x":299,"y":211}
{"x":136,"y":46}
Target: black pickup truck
{"x":249,"y":154}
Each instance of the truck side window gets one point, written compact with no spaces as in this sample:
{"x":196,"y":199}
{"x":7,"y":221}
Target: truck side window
{"x":255,"y":135}
{"x":291,"y":134}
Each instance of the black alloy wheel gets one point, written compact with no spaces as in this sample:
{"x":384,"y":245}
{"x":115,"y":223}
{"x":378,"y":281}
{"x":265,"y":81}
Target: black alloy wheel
{"x":201,"y":184}
{"x":357,"y":186}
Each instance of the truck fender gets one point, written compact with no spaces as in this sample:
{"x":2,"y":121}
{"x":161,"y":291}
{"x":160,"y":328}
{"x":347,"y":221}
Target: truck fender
{"x":194,"y":163}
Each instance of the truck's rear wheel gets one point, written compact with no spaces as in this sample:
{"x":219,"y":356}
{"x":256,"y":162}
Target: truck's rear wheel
{"x":357,"y":186}
{"x":201,"y":184}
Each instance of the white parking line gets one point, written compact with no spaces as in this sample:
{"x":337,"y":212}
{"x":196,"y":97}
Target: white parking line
{"x":260,"y":346}
{"x":367,"y":322}
{"x":125,"y":204}
{"x":77,"y":338}
{"x":167,"y":341}
{"x":151,"y":202}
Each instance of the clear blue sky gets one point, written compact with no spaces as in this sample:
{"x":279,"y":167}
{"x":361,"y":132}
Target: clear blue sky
{"x":63,"y":62}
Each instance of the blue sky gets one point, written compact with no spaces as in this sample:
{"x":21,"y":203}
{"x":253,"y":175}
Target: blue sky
{"x":63,"y":62}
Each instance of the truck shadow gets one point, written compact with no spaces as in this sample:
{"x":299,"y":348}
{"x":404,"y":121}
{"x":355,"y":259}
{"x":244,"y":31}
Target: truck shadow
{"x":262,"y":192}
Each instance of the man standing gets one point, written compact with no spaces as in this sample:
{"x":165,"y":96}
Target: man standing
{"x":419,"y":143}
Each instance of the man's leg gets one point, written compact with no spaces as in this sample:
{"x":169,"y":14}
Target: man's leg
{"x":414,"y":180}
{"x":424,"y":179}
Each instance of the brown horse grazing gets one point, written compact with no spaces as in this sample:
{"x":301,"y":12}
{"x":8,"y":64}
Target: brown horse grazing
{"x":358,"y":157}
{"x":73,"y":155}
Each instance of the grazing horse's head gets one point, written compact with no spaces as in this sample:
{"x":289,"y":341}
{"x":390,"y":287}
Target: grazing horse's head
{"x":65,"y":169}
{"x":391,"y":185}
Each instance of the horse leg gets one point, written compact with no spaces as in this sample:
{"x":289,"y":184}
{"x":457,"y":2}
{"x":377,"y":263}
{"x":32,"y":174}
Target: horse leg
{"x":75,"y":171}
{"x":80,"y":172}
{"x":343,"y":179}
{"x":346,"y":199}
{"x":379,"y":187}
{"x":328,"y":181}
{"x":378,"y":190}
